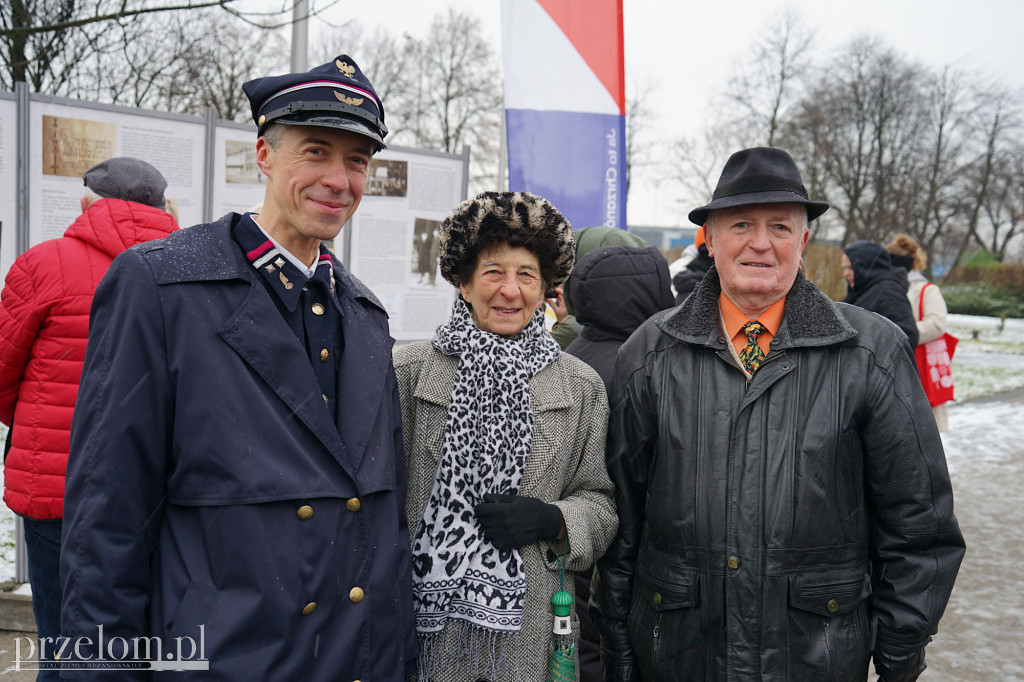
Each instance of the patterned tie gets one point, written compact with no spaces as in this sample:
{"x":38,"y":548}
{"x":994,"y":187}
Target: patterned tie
{"x":752,"y":356}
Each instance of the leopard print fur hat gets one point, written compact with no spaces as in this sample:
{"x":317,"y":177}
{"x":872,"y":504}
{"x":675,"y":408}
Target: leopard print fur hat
{"x":513,"y":218}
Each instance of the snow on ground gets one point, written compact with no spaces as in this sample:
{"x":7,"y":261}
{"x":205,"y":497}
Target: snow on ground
{"x":981,"y":635}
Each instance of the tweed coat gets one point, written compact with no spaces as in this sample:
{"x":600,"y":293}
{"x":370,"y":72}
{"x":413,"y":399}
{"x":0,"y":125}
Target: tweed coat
{"x":565,"y":467}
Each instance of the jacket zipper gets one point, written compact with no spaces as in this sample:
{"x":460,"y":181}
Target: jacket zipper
{"x":831,"y":657}
{"x":657,"y":634}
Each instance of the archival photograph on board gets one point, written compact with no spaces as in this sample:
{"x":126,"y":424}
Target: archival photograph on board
{"x":240,"y":163}
{"x":72,"y":146}
{"x":426,"y":248}
{"x":387,"y":178}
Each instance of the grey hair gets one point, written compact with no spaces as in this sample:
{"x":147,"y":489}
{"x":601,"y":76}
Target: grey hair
{"x":273,"y":134}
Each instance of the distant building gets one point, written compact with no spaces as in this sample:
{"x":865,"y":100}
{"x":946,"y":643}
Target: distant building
{"x":665,"y":238}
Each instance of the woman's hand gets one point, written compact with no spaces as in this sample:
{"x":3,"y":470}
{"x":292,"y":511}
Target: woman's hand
{"x":514,"y":521}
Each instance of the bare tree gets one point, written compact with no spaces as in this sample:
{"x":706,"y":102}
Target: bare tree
{"x":867,"y":111}
{"x":997,"y":120}
{"x":768,"y":81}
{"x":640,"y":118}
{"x":1004,"y":205}
{"x":388,"y":61}
{"x":457,"y":96}
{"x":50,"y":44}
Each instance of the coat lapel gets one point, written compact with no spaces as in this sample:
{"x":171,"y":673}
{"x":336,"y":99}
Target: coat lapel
{"x":365,"y":363}
{"x":257,"y":332}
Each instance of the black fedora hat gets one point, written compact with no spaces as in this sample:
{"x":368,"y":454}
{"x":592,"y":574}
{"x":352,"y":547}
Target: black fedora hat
{"x":761,"y":175}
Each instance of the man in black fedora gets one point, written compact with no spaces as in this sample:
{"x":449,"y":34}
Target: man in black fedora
{"x":785,"y":511}
{"x":236,"y":485}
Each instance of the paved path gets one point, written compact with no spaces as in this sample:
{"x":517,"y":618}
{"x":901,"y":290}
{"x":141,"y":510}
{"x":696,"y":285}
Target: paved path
{"x":981,"y":636}
{"x":8,"y":641}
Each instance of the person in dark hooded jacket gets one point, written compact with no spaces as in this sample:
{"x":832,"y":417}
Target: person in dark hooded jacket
{"x":875,"y":285}
{"x":613,"y":290}
{"x":587,"y":239}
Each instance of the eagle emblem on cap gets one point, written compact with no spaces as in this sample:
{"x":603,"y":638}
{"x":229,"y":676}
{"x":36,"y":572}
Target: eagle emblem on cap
{"x":345,"y":68}
{"x":351,"y":101}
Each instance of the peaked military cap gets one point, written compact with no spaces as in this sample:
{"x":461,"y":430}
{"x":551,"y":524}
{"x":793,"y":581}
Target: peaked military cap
{"x":333,"y":95}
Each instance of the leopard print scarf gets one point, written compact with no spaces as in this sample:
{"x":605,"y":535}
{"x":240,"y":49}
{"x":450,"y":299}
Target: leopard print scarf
{"x":460,"y":580}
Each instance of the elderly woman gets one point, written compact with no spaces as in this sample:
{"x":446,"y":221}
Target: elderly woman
{"x":504,"y":441}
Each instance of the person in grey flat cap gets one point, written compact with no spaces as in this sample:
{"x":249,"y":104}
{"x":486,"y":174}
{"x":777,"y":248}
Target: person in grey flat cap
{"x":785,"y":512}
{"x":44,"y":323}
{"x":237,"y":473}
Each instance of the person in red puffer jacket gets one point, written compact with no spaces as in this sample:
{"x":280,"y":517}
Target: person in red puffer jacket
{"x":44,"y":327}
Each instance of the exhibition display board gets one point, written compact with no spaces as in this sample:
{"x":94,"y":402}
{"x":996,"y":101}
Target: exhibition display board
{"x":46,"y":143}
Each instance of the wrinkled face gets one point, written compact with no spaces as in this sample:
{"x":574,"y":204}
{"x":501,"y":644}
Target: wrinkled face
{"x":315,"y":179}
{"x":847,"y":270}
{"x":504,"y":290}
{"x":757,"y":251}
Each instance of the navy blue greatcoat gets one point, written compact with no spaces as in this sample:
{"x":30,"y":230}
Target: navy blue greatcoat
{"x":211,"y":494}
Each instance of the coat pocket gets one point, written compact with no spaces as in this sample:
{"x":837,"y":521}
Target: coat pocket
{"x":665,"y":624}
{"x":828,"y":635}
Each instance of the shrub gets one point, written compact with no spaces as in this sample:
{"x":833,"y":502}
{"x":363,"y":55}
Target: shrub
{"x":981,"y":298}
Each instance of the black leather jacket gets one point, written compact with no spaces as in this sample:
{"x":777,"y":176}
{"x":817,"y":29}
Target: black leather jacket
{"x":770,"y":530}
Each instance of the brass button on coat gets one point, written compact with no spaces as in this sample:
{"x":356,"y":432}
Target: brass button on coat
{"x":326,"y":401}
{"x":356,"y":595}
{"x":733,"y":562}
{"x":353,"y":505}
{"x":318,"y":309}
{"x":324,"y":355}
{"x":305,"y":512}
{"x":309,"y":608}
{"x":832,"y":605}
{"x":657,"y":598}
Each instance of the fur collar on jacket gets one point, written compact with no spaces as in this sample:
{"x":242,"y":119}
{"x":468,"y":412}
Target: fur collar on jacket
{"x":811,"y":318}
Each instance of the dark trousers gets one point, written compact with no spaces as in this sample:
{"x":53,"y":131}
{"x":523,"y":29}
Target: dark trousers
{"x":42,"y":541}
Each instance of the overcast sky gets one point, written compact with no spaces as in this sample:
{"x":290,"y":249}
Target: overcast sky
{"x":690,"y":47}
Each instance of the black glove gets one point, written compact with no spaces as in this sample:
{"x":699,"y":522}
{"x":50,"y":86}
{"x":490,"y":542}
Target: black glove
{"x":905,"y":667}
{"x":621,"y":673}
{"x":514,"y":521}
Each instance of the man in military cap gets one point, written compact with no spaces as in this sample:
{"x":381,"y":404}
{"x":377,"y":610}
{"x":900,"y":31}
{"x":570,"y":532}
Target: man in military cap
{"x":785,"y":512}
{"x":236,"y":476}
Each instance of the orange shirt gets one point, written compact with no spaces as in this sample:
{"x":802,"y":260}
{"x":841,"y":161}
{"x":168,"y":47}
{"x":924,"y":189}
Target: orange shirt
{"x":734,"y":321}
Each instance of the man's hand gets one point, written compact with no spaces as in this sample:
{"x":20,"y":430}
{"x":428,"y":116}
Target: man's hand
{"x":558,"y":305}
{"x":899,"y":667}
{"x":514,"y":521}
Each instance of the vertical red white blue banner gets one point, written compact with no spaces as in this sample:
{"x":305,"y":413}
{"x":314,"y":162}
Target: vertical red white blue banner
{"x":565,"y":105}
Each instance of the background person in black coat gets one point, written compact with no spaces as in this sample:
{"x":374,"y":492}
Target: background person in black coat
{"x":613,"y":290}
{"x":688,"y":278}
{"x":875,"y":285}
